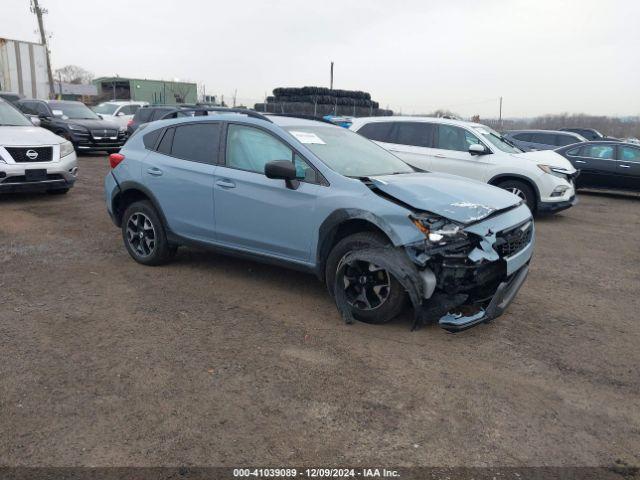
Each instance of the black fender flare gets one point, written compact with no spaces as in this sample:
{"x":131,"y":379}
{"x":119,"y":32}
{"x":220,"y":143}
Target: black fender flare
{"x":517,"y":176}
{"x":131,"y":185}
{"x":330,"y":225}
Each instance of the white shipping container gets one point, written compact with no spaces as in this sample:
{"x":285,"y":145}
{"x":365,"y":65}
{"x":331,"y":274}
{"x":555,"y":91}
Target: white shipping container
{"x":23,"y":68}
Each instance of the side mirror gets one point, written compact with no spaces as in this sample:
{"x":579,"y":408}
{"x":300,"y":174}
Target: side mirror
{"x":35,"y":120}
{"x":101,"y":117}
{"x":477,"y":149}
{"x":282,"y":170}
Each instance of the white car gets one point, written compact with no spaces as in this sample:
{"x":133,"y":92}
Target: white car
{"x":32,"y":158}
{"x":544,"y":180}
{"x":120,"y":111}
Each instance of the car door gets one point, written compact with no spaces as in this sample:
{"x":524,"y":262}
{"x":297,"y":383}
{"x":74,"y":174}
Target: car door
{"x":409,"y":141}
{"x":597,"y":165}
{"x":180,"y":175}
{"x":451,"y":153}
{"x":628,"y":166}
{"x":258,"y":214}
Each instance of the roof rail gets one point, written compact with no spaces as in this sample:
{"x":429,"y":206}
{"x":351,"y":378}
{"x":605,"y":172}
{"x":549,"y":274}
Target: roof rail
{"x":203,"y":110}
{"x":303,"y":116}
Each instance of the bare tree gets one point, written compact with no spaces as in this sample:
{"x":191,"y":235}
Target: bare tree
{"x":73,"y":74}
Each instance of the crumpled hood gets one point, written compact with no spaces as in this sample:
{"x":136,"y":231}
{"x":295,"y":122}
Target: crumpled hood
{"x":456,"y":198}
{"x":27,"y":137}
{"x":547,"y":157}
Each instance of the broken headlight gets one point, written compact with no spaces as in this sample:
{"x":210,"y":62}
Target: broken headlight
{"x":438,"y":230}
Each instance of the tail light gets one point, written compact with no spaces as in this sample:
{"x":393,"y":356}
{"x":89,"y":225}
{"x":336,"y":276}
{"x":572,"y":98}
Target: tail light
{"x":115,"y":159}
{"x":130,"y":122}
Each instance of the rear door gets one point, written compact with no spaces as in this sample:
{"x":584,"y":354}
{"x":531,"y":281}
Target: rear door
{"x":451,"y":153}
{"x":597,"y":165}
{"x":409,"y":141}
{"x":180,"y":174}
{"x":259,"y":214}
{"x":629,"y":167}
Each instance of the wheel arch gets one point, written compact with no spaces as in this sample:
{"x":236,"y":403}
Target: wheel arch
{"x":129,"y":193}
{"x":342,"y":223}
{"x":514,"y":176}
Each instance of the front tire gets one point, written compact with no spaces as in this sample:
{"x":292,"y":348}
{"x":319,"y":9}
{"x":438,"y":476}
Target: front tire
{"x":144,"y":236}
{"x":380,"y":298}
{"x":522,"y":190}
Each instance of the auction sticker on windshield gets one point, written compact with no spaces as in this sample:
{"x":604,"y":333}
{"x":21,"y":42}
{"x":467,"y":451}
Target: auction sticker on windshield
{"x":307,"y":137}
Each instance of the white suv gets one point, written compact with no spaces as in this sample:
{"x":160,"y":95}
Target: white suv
{"x":544,"y":180}
{"x":32,"y":158}
{"x":120,"y":111}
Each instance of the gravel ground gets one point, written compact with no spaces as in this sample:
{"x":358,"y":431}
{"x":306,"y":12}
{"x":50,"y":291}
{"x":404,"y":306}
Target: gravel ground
{"x":215,"y":361}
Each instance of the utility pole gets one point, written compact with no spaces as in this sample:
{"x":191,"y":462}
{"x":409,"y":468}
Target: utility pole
{"x":35,"y":8}
{"x":235,"y":93}
{"x":331,"y":82}
{"x":500,"y":117}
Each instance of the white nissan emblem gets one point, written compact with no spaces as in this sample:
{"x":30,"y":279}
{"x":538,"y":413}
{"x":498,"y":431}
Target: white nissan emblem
{"x":32,"y":154}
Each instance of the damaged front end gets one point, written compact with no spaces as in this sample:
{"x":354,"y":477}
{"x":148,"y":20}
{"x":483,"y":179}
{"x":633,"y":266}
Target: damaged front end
{"x":459,"y":275}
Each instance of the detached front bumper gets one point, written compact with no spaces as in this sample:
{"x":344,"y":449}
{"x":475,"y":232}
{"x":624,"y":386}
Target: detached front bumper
{"x":504,"y":295}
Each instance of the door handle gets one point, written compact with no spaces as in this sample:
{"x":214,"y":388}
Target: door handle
{"x":625,"y":166}
{"x":154,"y":171}
{"x":580,"y":161}
{"x":225,"y":183}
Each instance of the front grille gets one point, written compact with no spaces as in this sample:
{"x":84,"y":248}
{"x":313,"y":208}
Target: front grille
{"x":23,"y":179}
{"x":512,"y":241}
{"x":104,"y":133}
{"x":30,"y":154}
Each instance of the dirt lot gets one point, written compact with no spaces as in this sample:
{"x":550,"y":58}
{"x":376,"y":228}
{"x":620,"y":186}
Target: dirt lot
{"x":216,"y":361}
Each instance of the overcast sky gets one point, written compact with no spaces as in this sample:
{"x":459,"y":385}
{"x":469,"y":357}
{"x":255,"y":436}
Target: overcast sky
{"x":542,"y":56}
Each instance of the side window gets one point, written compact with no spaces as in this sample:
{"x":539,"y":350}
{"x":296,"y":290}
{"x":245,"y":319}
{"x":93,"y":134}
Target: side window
{"x":563,"y":140}
{"x":151,"y":138}
{"x":251,"y":149}
{"x":159,"y":113}
{"x":543,"y":138}
{"x":418,"y":134}
{"x":125,"y":110}
{"x":27,"y":107}
{"x":197,"y":142}
{"x":133,"y":109}
{"x":604,"y":152}
{"x":629,"y":154}
{"x":450,"y":137}
{"x":523,"y":137}
{"x":379,"y":131}
{"x":144,"y":115}
{"x":166,"y":142}
{"x":574,"y":152}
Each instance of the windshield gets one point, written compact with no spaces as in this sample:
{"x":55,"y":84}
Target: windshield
{"x":106,"y":108}
{"x":77,"y":111}
{"x":348,"y":153}
{"x":497,"y":140}
{"x":10,"y":117}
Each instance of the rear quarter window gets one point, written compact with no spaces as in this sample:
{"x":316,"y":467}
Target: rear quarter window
{"x":151,"y":139}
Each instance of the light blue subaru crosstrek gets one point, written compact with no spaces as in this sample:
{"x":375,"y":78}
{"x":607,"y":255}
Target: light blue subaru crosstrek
{"x":320,"y":198}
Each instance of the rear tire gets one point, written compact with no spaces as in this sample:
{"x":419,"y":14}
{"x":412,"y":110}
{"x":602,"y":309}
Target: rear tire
{"x":144,"y":236}
{"x":395,"y":295}
{"x":522,"y":190}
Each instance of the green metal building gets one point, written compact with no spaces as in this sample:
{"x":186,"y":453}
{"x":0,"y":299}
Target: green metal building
{"x":143,"y":90}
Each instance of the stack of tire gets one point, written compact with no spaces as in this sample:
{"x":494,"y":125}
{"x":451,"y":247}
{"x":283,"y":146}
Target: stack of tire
{"x":320,"y":101}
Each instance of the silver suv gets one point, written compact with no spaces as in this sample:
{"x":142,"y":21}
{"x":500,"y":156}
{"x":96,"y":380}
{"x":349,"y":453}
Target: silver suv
{"x":32,"y":158}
